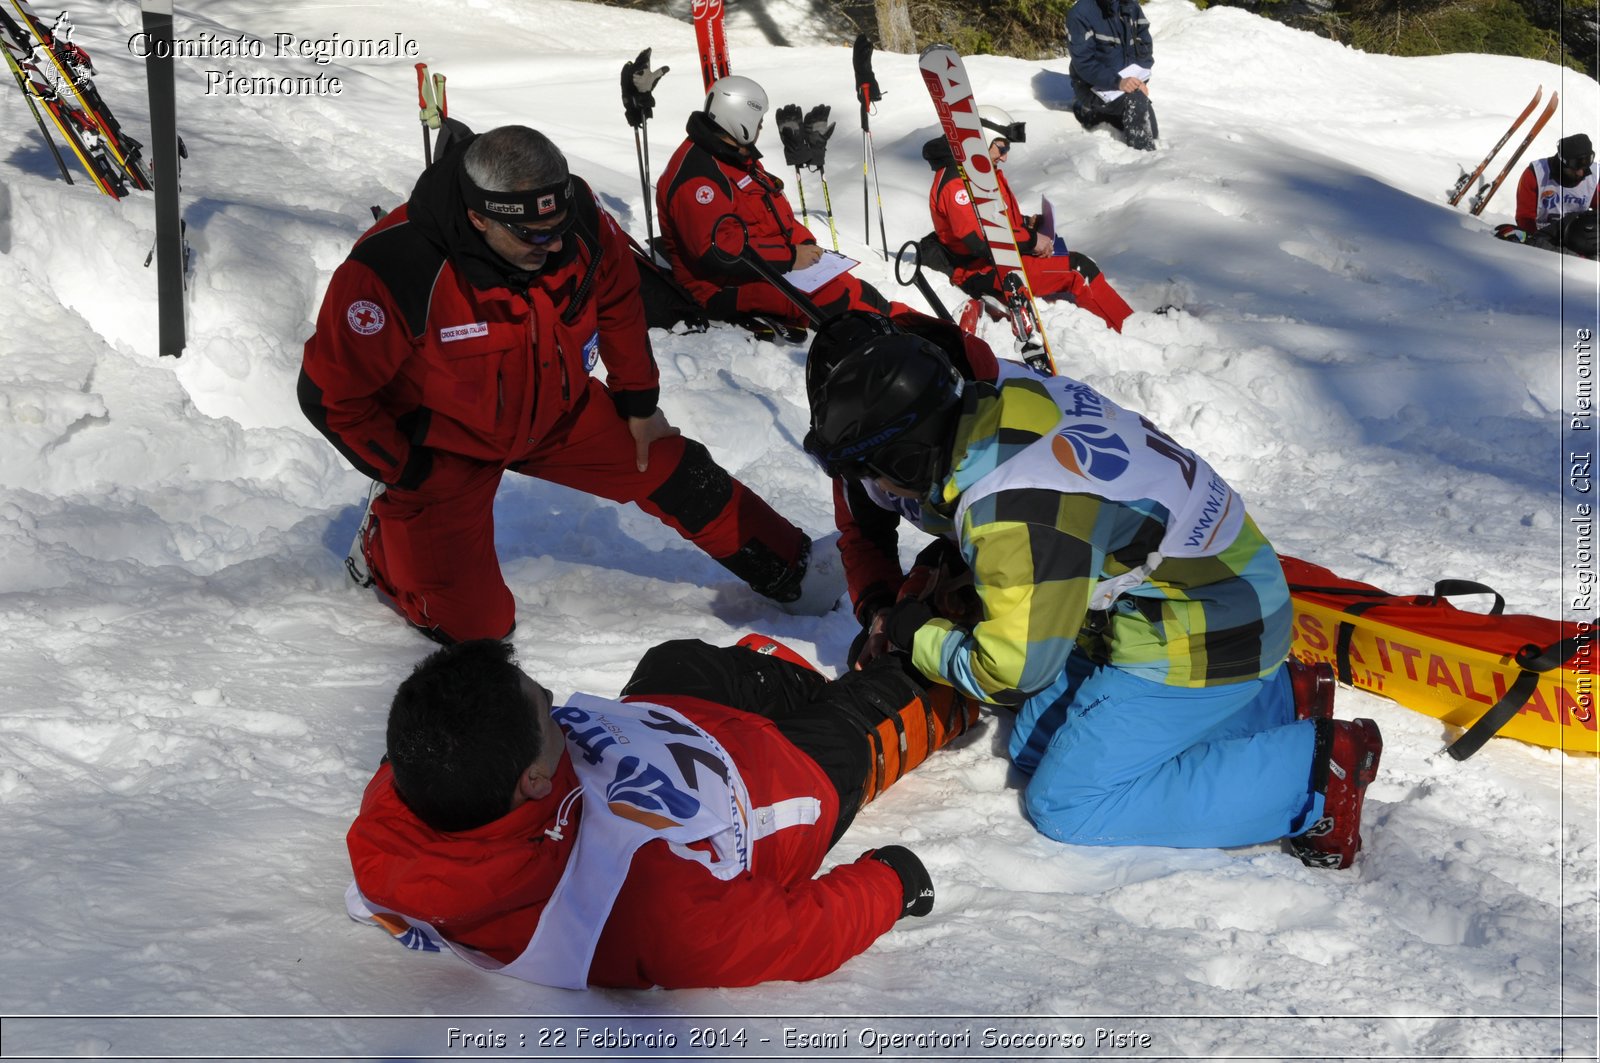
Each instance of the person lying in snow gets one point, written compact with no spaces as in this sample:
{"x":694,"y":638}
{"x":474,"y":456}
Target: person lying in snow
{"x":958,"y":248}
{"x":669,"y":838}
{"x":1121,"y":600}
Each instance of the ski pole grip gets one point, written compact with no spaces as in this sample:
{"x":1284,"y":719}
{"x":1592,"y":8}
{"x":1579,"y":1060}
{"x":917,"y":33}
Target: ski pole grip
{"x":916,"y":263}
{"x":422,"y":88}
{"x":729,"y":238}
{"x":438,"y":91}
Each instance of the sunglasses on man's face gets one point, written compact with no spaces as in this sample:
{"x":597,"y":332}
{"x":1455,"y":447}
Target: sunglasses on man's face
{"x":1002,"y":147}
{"x":1579,"y":163}
{"x":538,"y":237}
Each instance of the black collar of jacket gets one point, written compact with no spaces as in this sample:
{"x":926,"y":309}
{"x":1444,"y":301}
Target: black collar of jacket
{"x":709,"y":136}
{"x":439,"y":211}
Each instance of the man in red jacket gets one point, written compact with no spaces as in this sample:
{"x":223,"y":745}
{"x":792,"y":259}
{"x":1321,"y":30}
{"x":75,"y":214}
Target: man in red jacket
{"x":669,"y":838}
{"x":717,"y":171}
{"x":1051,"y":271}
{"x":457,"y":342}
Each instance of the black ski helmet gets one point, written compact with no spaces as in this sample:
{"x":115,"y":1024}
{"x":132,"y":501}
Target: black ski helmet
{"x":839,"y":336}
{"x":888,"y":409}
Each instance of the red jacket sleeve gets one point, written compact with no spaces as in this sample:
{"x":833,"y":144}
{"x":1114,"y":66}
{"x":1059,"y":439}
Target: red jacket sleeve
{"x":358,"y":348}
{"x":685,"y":928}
{"x":869,"y":545}
{"x":956,"y":222}
{"x":631,"y":373}
{"x":1528,"y":201}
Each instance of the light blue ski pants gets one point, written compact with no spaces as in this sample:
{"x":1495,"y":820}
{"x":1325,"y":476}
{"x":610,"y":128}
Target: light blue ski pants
{"x":1117,"y":759}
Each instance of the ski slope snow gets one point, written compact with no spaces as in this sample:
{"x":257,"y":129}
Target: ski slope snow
{"x":194,"y":696}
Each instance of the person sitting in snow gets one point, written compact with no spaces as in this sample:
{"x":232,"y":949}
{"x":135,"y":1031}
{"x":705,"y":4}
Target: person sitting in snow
{"x":1121,"y":600}
{"x":717,"y":171}
{"x":1112,"y":62}
{"x":457,"y":342}
{"x":669,"y":838}
{"x":958,"y":246}
{"x":1554,"y":195}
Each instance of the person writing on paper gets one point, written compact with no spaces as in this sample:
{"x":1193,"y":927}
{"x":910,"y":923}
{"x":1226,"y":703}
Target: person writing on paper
{"x":1052,"y":269}
{"x":1112,"y":60}
{"x":669,"y":838}
{"x":717,"y":171}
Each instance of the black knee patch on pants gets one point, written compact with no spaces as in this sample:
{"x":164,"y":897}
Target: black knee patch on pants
{"x":735,"y":676}
{"x":1083,"y":264}
{"x":765,"y":570}
{"x":697,"y":491}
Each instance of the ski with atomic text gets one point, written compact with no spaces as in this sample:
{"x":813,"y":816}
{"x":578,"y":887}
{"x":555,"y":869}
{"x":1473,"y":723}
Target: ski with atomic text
{"x":946,"y":77}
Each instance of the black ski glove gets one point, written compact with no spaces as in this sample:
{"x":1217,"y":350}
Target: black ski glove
{"x":638,"y":86}
{"x":818,"y":130}
{"x":796,"y":152}
{"x":902,"y":621}
{"x":866,"y":84}
{"x":916,"y":887}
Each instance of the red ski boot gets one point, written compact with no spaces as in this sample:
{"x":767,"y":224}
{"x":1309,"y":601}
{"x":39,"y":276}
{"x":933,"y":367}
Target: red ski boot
{"x":1313,"y":689}
{"x":1345,"y":761}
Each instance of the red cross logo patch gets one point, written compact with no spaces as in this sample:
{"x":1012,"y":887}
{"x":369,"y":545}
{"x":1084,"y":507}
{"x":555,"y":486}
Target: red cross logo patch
{"x":365,"y":317}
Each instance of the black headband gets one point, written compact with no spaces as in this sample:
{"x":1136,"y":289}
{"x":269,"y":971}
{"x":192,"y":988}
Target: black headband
{"x":546,"y":201}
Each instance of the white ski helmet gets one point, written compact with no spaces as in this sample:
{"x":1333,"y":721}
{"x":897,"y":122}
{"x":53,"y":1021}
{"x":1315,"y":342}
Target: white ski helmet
{"x":997,"y":125}
{"x":737,"y":105}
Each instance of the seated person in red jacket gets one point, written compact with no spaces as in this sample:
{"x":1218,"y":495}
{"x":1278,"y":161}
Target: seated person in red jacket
{"x":669,"y":838}
{"x":1052,"y":270}
{"x":718,"y":171}
{"x":457,"y":342}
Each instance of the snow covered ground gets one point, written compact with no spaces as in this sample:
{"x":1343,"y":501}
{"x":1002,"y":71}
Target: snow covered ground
{"x":194,"y":696}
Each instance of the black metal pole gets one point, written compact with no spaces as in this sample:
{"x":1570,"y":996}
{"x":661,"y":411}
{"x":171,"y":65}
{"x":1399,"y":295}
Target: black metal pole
{"x":159,"y":76}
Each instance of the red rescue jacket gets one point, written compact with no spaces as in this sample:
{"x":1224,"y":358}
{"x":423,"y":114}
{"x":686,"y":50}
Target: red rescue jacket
{"x":428,"y":340}
{"x":674,"y":924}
{"x":706,"y":179}
{"x":956,"y":224}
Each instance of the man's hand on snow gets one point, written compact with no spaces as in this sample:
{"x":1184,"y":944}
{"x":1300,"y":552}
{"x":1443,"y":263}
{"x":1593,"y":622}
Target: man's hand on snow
{"x":647,"y":430}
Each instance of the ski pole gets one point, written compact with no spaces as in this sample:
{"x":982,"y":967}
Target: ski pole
{"x":919,"y":280}
{"x":638,"y":104}
{"x":438,"y":95}
{"x":883,"y":240}
{"x":827,"y":201}
{"x":16,"y":72}
{"x":427,"y":111}
{"x":800,"y":188}
{"x":746,"y":254}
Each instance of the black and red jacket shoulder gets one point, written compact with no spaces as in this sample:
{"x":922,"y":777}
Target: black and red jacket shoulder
{"x":427,"y":340}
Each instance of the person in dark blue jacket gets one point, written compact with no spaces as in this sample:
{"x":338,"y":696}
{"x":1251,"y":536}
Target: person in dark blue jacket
{"x":1112,"y":59}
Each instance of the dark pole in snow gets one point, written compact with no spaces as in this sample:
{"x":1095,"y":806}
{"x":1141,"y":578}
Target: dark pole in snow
{"x":164,"y":155}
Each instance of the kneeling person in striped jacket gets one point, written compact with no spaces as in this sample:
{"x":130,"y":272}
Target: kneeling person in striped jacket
{"x":705,"y":799}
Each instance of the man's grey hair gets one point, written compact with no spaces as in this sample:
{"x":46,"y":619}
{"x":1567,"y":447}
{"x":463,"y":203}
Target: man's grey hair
{"x":514,"y":158}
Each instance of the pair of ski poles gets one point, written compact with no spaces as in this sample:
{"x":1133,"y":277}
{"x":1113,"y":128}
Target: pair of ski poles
{"x":432,"y":106}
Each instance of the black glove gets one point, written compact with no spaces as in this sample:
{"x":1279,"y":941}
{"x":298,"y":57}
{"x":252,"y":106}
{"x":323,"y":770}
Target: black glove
{"x":796,"y":152}
{"x":818,"y":130}
{"x":916,"y":888}
{"x":942,"y":554}
{"x":902,"y":621}
{"x":866,"y":84}
{"x":638,"y":84}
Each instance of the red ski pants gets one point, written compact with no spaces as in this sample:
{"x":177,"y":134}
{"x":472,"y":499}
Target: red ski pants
{"x":1058,"y":274}
{"x":432,"y":549}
